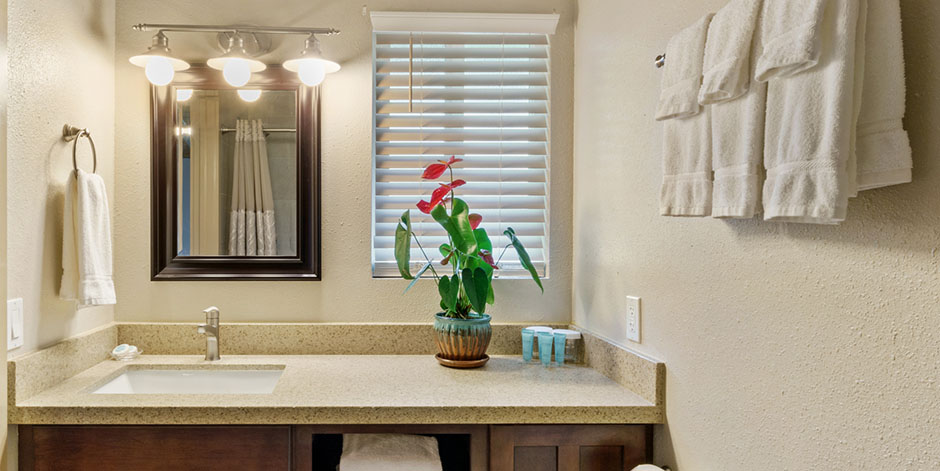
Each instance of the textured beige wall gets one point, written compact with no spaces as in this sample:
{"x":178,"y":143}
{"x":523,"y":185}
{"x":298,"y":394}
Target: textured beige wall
{"x":61,"y":57}
{"x":347,"y":292}
{"x":787,"y":346}
{"x":3,"y":228}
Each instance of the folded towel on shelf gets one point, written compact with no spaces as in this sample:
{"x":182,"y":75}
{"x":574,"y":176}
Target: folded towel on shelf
{"x":883,"y":146}
{"x":389,"y":452}
{"x":687,"y":166}
{"x":737,"y":112}
{"x":809,"y":126}
{"x":86,"y":242}
{"x":791,"y":33}
{"x":727,"y":62}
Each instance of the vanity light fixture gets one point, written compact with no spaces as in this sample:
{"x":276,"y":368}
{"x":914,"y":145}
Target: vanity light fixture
{"x":310,"y":66}
{"x":158,"y":64}
{"x":249,"y":95}
{"x":236,"y":64}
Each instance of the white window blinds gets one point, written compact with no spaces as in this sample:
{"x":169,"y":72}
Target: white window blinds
{"x":483,"y":97}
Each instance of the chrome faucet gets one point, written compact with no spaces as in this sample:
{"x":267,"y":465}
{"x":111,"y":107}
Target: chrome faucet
{"x":211,"y":330}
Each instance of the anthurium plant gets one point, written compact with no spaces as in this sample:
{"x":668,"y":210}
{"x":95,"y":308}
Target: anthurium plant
{"x":467,"y":291}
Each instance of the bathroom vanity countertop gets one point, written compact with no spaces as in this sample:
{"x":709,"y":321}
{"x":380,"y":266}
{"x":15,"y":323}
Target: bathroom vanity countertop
{"x":350,"y":389}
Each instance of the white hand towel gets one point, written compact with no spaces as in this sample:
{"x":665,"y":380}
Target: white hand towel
{"x":883,"y":146}
{"x":687,"y":161}
{"x":682,"y":76}
{"x":389,"y":452}
{"x":809,"y":125}
{"x":727,"y":63}
{"x":791,"y":37}
{"x":86,"y":242}
{"x":737,"y":114}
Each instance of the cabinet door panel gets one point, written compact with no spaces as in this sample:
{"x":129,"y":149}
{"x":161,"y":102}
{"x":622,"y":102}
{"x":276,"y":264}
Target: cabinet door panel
{"x":535,"y":458}
{"x":568,"y":447}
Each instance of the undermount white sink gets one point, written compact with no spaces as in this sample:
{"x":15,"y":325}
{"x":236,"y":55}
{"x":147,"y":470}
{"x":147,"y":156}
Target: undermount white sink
{"x":193,"y":381}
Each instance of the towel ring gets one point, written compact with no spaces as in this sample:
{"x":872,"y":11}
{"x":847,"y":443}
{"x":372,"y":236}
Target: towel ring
{"x":74,"y":134}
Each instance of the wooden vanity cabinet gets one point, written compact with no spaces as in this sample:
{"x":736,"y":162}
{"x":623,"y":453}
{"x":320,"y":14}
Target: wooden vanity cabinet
{"x":569,"y":447}
{"x":318,"y":447}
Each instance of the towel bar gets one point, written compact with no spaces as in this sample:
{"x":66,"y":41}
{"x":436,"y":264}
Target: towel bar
{"x":74,"y":134}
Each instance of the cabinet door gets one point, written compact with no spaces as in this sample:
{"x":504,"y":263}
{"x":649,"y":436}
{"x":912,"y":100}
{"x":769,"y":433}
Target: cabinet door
{"x":568,"y":447}
{"x":164,"y":448}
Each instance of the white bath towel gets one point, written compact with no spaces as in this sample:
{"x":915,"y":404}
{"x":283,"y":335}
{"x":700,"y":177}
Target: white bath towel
{"x":809,"y":125}
{"x":86,"y":242}
{"x":389,"y":452}
{"x":791,"y":31}
{"x":687,"y":166}
{"x":737,"y":115}
{"x":883,"y":146}
{"x":727,"y":63}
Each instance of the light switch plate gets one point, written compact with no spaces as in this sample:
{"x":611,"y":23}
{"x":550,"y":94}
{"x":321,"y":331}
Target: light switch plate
{"x":14,"y":323}
{"x":633,"y":318}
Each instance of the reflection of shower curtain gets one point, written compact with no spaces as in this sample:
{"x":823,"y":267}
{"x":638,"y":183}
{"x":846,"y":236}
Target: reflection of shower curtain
{"x":251,"y":230}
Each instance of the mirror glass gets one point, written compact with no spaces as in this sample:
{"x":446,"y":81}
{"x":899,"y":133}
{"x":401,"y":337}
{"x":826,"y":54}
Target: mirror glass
{"x":236,"y":161}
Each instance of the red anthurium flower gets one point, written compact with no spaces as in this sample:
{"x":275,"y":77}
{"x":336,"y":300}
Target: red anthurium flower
{"x":437,"y":197}
{"x":488,"y":258}
{"x":475,"y":220}
{"x":434,"y":171}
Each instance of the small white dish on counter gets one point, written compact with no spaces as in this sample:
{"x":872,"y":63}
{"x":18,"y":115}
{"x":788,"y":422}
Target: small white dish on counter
{"x":193,"y":381}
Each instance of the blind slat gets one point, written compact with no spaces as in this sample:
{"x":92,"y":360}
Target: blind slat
{"x":460,"y":51}
{"x":436,"y":38}
{"x":492,"y":80}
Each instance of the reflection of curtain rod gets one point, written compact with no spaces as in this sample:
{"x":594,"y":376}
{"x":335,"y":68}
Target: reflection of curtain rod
{"x":265,"y":130}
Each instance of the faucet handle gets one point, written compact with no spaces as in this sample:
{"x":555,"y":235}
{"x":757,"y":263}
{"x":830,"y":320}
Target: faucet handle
{"x":201,"y":329}
{"x":211,"y":312}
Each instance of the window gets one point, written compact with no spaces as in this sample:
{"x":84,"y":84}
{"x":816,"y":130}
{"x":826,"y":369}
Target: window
{"x":483,"y":97}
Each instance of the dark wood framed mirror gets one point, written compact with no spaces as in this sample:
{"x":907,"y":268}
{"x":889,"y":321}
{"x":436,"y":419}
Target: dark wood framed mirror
{"x":235,"y":183}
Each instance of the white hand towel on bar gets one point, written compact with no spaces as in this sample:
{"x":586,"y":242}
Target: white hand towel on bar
{"x":727,"y":62}
{"x":791,"y":36}
{"x":809,"y":126}
{"x":86,"y":242}
{"x":687,"y":160}
{"x":883,"y":146}
{"x":737,"y":111}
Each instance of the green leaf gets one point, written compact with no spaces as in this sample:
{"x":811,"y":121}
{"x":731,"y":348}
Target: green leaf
{"x":457,"y":225}
{"x":524,"y":256}
{"x":449,"y":289}
{"x":445,"y":249}
{"x":476,"y":284}
{"x":483,"y":240}
{"x":403,"y":245}
{"x":418,"y":276}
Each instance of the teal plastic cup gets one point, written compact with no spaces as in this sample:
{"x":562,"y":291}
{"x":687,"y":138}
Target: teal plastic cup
{"x":545,"y":347}
{"x":528,"y":339}
{"x":560,"y":339}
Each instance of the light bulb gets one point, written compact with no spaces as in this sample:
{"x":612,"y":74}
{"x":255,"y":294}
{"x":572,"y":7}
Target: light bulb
{"x":237,"y":72}
{"x":159,"y":70}
{"x":311,"y":72}
{"x":250,"y":96}
{"x":183,"y":94}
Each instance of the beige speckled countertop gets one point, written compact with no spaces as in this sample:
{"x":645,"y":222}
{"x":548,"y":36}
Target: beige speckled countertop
{"x":363,"y":389}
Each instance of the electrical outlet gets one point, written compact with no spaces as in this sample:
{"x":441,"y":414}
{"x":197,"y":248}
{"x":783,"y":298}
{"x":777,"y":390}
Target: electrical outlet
{"x":14,"y":323}
{"x":633,"y":318}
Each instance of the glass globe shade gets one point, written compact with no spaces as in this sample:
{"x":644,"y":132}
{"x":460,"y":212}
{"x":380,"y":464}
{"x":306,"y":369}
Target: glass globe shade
{"x":236,"y":72}
{"x":184,"y":94}
{"x":159,"y":70}
{"x":249,"y":95}
{"x":311,"y":72}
